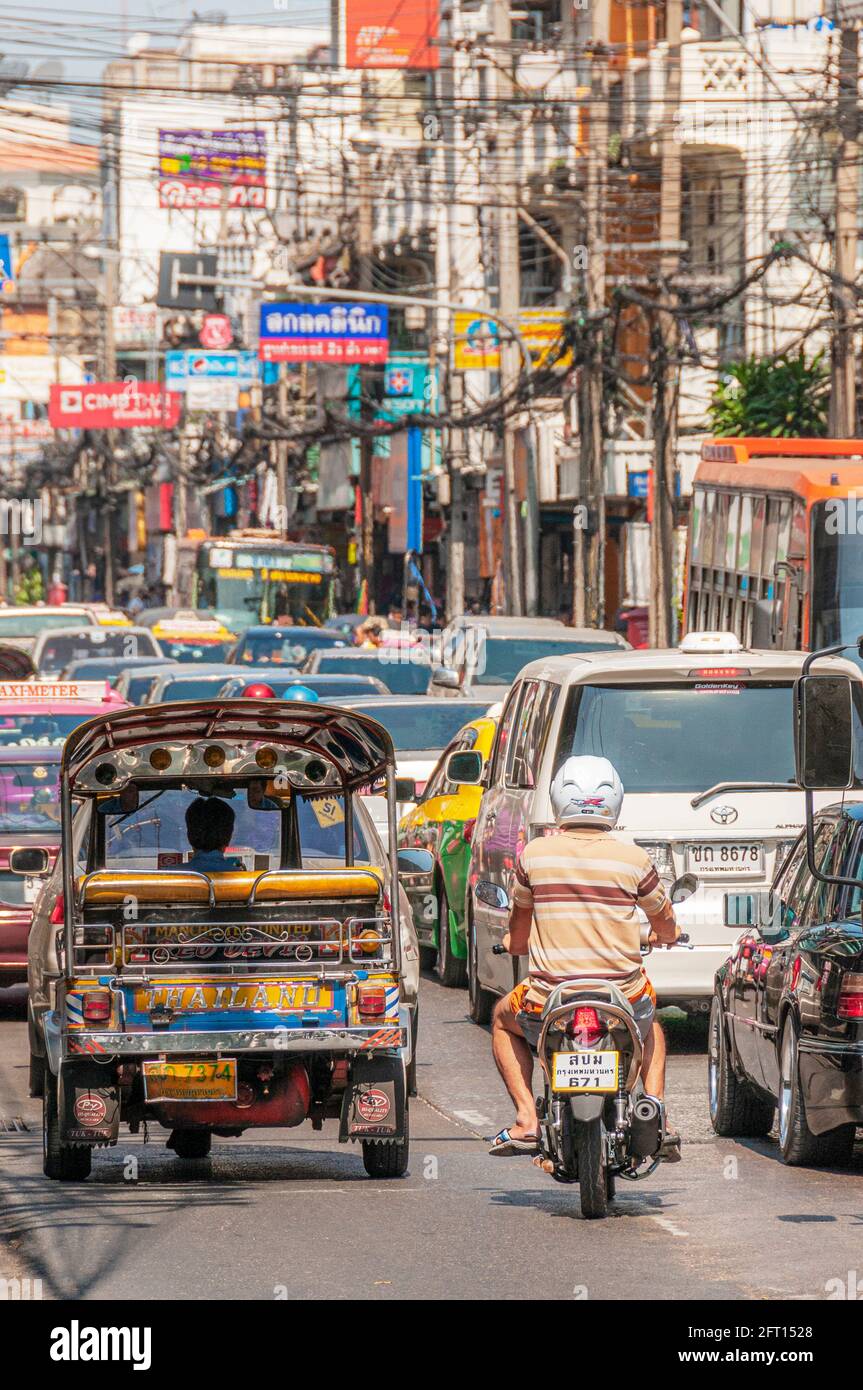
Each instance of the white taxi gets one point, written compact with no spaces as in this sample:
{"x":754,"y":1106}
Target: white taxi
{"x":703,"y":739}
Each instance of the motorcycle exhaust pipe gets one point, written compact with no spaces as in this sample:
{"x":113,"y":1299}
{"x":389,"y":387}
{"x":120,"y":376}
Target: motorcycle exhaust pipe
{"x":646,"y":1129}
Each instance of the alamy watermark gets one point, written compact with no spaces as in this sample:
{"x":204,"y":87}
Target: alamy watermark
{"x":21,"y":519}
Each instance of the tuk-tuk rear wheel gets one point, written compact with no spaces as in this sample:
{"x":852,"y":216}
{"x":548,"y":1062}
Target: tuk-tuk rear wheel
{"x":388,"y":1159}
{"x":63,"y":1162}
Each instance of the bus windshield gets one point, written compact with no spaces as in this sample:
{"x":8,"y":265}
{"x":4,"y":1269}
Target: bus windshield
{"x":837,"y":576}
{"x":246,"y":585}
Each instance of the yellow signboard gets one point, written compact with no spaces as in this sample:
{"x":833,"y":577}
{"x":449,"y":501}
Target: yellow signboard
{"x":477,"y":339}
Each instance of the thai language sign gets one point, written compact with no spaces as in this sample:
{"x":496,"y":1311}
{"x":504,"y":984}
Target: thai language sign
{"x":199,"y":168}
{"x":381,"y":34}
{"x":334,"y":333}
{"x":113,"y":405}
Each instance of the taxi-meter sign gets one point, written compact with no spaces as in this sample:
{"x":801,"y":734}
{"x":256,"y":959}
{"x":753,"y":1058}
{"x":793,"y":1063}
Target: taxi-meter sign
{"x":37,"y":692}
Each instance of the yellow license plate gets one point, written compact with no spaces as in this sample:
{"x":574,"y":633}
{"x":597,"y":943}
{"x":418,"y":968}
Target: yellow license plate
{"x":191,"y":1080}
{"x":591,"y":1073}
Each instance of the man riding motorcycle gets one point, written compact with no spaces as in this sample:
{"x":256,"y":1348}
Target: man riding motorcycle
{"x":574,"y":915}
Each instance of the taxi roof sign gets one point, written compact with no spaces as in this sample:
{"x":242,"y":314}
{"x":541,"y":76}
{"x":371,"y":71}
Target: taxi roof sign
{"x":32,"y":691}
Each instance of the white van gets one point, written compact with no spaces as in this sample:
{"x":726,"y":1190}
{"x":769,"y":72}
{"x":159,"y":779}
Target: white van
{"x":703,"y":740}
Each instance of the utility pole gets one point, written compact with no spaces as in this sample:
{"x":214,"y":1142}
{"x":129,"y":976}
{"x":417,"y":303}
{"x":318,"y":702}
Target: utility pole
{"x":843,"y":401}
{"x":281,"y":449}
{"x":110,"y":279}
{"x":664,"y":348}
{"x":509,"y":289}
{"x":589,"y":544}
{"x":365,"y":251}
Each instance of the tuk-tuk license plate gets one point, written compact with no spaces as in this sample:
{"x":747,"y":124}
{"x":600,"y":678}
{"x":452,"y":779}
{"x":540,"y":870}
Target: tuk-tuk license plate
{"x":592,"y":1072}
{"x":209,"y":1080}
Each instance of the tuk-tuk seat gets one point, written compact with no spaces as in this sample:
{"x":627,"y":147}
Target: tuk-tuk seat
{"x":107,"y":888}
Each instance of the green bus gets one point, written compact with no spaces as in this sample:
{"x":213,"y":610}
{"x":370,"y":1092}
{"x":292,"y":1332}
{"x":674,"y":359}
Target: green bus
{"x":249,"y":577}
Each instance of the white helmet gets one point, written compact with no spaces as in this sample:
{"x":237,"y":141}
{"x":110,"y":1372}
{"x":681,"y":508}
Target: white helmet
{"x":587,"y":791}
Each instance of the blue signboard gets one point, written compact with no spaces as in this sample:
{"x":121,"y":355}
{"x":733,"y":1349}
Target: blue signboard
{"x":5,"y":259}
{"x":181,"y":367}
{"x":338,"y":334}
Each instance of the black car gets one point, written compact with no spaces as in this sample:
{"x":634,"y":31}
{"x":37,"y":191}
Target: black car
{"x":786,"y":1024}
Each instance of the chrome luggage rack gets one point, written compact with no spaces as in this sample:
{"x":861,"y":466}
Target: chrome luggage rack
{"x":231,"y":947}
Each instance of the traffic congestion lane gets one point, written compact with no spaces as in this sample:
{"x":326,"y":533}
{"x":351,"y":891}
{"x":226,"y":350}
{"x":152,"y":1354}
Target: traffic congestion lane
{"x":292,"y":1215}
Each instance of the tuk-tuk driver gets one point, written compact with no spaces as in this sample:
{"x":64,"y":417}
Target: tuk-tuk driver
{"x":209,"y":826}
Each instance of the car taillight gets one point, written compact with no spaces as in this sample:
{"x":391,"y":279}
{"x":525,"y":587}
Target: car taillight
{"x":372,"y":1000}
{"x":58,"y":911}
{"x":585,"y":1027}
{"x":850,"y":1003}
{"x":96,"y":1006}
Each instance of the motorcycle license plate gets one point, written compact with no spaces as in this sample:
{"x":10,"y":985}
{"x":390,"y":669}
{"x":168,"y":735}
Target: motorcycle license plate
{"x":594,"y":1072}
{"x":206,"y":1080}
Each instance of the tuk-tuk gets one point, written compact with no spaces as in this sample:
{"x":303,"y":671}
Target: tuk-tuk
{"x":267,"y":982}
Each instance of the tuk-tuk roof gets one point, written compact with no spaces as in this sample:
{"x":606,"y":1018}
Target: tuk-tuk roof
{"x":357,"y":746}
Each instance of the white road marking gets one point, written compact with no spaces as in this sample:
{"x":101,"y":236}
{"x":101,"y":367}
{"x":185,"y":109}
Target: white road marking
{"x":473,"y":1117}
{"x":668,"y":1225}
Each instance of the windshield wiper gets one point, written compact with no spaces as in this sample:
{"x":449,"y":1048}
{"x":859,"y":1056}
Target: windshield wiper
{"x":741,"y":787}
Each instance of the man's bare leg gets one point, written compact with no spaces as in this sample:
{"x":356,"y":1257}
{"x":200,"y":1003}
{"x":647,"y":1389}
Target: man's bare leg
{"x":653,"y":1064}
{"x":514,"y":1061}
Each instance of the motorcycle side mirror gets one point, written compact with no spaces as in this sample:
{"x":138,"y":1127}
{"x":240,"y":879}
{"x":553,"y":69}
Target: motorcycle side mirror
{"x":492,"y":895}
{"x":683,"y":888}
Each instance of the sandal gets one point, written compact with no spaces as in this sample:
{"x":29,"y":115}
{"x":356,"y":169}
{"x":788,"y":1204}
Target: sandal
{"x":505,"y":1146}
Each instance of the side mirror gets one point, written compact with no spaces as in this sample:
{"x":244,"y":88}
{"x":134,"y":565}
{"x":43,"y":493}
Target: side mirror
{"x":35,"y":863}
{"x":413,"y":864}
{"x":464,"y":768}
{"x":824,"y":733}
{"x":683,"y":888}
{"x":492,"y":895}
{"x":445,"y":677}
{"x":406,"y":789}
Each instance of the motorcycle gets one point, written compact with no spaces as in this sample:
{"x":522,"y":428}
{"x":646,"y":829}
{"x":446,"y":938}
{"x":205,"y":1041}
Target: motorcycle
{"x":596,"y":1121}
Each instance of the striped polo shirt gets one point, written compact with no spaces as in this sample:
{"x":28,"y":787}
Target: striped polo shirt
{"x":584,"y":886}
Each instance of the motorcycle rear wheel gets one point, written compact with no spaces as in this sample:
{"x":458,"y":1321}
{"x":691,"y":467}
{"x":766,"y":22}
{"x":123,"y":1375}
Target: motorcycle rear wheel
{"x":593,"y":1184}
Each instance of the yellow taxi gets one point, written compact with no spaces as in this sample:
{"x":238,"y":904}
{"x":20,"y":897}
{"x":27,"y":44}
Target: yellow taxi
{"x":442,"y":822}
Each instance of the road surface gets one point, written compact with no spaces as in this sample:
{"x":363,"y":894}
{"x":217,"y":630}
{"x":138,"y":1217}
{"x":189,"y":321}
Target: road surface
{"x":291,"y":1214}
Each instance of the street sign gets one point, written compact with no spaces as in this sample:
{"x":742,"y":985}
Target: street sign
{"x":113,"y":405}
{"x":216,"y":331}
{"x":182,"y":368}
{"x":379,"y":34}
{"x":212,"y":393}
{"x":136,"y":325}
{"x":212,"y":169}
{"x":173,"y":293}
{"x":6,"y":268}
{"x":333,"y":333}
{"x":477,"y":339}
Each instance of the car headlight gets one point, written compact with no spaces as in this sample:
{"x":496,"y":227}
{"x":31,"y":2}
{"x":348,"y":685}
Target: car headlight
{"x":661,"y":857}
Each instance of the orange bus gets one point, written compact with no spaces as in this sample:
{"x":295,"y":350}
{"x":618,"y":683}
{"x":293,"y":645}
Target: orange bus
{"x":774,"y":551}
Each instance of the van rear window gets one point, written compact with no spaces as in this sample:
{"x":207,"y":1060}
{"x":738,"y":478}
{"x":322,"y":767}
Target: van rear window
{"x":684,"y":737}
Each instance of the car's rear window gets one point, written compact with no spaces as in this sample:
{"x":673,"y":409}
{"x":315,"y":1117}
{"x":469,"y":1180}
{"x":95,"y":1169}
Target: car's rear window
{"x":432,"y":725}
{"x":400,"y":677}
{"x":684,"y":737}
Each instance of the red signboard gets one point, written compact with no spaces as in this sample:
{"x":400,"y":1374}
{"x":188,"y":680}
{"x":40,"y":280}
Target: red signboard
{"x":390,"y":33}
{"x":216,"y":331}
{"x":113,"y":405}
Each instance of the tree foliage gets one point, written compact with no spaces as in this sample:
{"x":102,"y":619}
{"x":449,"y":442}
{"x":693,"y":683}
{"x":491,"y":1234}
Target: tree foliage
{"x":782,"y":397}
